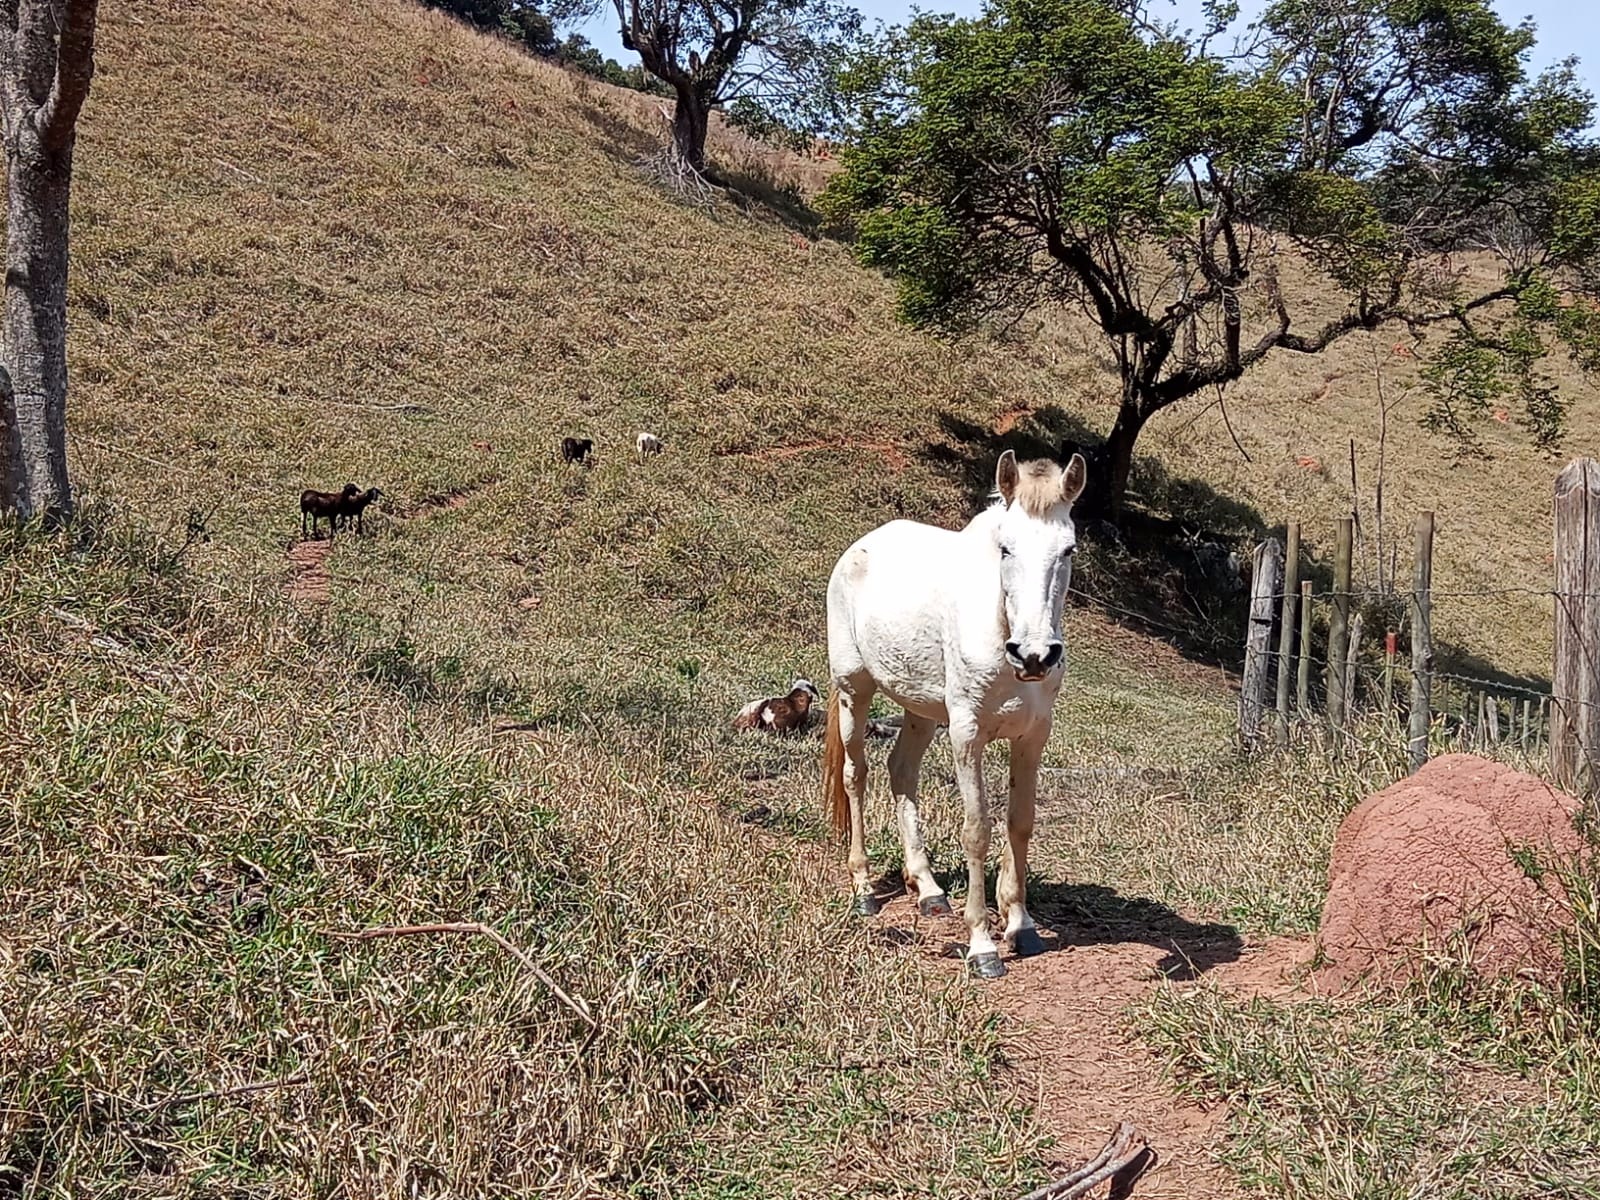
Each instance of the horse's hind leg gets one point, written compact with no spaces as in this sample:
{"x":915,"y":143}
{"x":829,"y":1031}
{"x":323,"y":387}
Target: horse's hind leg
{"x":855,"y":698}
{"x":1011,"y":889}
{"x":905,"y":766}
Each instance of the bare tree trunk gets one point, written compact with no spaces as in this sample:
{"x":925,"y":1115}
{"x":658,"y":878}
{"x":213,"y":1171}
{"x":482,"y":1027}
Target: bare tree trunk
{"x":690,"y":121}
{"x":1116,"y":460}
{"x":46,"y":67}
{"x":40,"y":183}
{"x":13,"y":475}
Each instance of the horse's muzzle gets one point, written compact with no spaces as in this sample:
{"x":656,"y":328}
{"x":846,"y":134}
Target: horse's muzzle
{"x":1033,"y":667}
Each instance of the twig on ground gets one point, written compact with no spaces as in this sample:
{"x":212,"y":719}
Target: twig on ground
{"x":477,"y":927}
{"x":263,"y":1085}
{"x":1126,"y":1151}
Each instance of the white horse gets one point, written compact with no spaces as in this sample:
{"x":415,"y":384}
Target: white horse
{"x":962,"y":629}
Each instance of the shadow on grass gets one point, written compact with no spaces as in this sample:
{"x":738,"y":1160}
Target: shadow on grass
{"x":758,"y":193}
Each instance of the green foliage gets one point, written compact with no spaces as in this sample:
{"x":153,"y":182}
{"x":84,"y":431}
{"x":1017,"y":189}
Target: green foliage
{"x":984,"y":144}
{"x":532,"y":27}
{"x":1338,"y":225}
{"x":1464,"y":379}
{"x":1064,"y":151}
{"x":770,"y":63}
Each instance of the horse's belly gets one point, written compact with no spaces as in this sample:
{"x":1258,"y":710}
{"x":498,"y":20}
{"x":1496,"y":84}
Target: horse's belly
{"x":910,"y":674}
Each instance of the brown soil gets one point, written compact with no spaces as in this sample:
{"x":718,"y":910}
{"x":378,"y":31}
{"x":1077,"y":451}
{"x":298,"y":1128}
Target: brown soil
{"x":454,"y":498}
{"x":1007,"y":421}
{"x":893,"y":454}
{"x":1428,"y":862}
{"x":308,"y":572}
{"x":1070,"y":1055}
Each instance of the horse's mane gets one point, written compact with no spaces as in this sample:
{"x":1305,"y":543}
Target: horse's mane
{"x":1038,"y":486}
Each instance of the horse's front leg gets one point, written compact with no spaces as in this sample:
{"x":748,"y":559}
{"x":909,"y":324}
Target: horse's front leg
{"x":983,"y":956}
{"x":1011,"y":890}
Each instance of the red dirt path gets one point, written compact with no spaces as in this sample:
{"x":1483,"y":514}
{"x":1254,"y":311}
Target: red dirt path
{"x":1070,"y":1056}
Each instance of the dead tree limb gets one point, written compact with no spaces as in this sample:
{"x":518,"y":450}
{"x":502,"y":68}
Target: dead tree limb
{"x":1124,"y":1157}
{"x":580,"y":1009}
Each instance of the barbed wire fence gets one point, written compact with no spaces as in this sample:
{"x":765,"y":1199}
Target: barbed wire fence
{"x":1352,"y":673}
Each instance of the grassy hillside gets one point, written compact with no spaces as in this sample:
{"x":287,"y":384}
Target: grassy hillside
{"x":316,"y":243}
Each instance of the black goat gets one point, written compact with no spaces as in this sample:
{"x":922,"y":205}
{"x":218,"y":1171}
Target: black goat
{"x":325,"y":506}
{"x":576,"y":450}
{"x":356,"y":505}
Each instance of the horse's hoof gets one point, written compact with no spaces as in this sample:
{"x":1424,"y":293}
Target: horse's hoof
{"x":986,"y":965}
{"x":866,"y":906}
{"x":1025,"y":943}
{"x":934,"y":906}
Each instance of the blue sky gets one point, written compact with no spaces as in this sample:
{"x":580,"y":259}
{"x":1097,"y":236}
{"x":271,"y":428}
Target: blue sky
{"x":1566,"y":27}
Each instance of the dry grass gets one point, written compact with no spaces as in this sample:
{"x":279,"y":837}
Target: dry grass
{"x":319,"y":242}
{"x":196,"y":797}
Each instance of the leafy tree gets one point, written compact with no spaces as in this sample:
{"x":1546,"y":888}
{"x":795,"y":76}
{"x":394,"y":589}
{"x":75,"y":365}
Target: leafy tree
{"x":519,"y":20}
{"x":772,"y":61}
{"x":46,"y":66}
{"x":1072,"y":152}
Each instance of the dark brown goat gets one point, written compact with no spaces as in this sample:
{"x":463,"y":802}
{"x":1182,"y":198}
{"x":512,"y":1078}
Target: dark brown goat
{"x":325,"y":506}
{"x":576,"y":450}
{"x":779,"y":714}
{"x":354,"y":506}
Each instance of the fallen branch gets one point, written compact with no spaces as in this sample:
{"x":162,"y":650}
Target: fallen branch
{"x":410,"y":408}
{"x":494,"y":935}
{"x":223,"y":1093}
{"x":1124,"y":1158}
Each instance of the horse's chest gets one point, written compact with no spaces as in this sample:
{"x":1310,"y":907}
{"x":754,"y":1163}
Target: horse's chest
{"x":1021,"y":713}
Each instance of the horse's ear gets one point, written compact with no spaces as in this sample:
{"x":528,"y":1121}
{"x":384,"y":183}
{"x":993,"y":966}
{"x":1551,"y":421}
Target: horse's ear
{"x":1006,"y":477}
{"x":1073,"y":478}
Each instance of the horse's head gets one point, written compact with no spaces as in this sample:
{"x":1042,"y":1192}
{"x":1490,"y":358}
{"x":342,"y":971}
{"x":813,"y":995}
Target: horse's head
{"x":1035,"y":537}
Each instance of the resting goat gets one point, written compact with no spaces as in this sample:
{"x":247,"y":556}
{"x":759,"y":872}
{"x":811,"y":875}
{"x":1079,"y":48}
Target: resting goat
{"x":779,"y":714}
{"x":325,"y":506}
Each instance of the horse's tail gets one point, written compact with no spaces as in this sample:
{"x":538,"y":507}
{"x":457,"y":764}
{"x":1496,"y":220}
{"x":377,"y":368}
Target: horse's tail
{"x":833,"y":794}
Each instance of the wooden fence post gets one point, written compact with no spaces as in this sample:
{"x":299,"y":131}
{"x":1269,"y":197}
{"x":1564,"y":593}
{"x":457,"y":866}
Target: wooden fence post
{"x":1421,"y":641}
{"x":1352,"y":670}
{"x":1291,"y":587}
{"x":1264,"y":579}
{"x":1575,"y":717}
{"x":1390,"y":646}
{"x":1302,"y":688}
{"x":1339,"y":623}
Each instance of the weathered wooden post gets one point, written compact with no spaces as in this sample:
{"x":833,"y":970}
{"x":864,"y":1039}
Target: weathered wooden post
{"x":1492,"y":707}
{"x":1575,"y":715}
{"x":1421,"y":641}
{"x":1352,"y":670}
{"x":1264,"y":579}
{"x":1527,"y":723}
{"x":1339,"y":623}
{"x":1390,"y":647}
{"x":1291,"y":586}
{"x":1302,"y":687}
